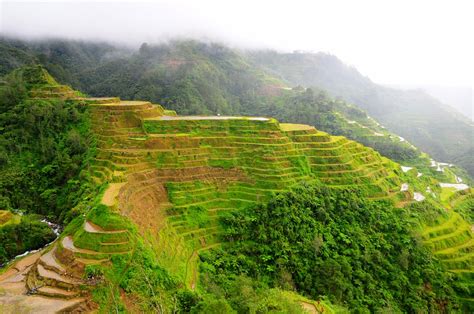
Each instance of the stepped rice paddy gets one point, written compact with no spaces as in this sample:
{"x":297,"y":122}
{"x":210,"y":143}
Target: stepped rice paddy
{"x":175,"y":176}
{"x":451,"y":238}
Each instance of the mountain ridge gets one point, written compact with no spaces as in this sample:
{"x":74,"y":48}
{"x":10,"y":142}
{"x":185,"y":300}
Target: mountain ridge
{"x":433,"y":127}
{"x":235,"y":85}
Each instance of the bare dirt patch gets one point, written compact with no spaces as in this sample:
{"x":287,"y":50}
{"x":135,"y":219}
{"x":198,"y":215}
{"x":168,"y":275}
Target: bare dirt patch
{"x":13,"y":298}
{"x":111,"y":193}
{"x":93,"y":228}
{"x":295,"y":127}
{"x":20,"y":266}
{"x":309,"y":307}
{"x":144,"y":198}
{"x":10,"y":303}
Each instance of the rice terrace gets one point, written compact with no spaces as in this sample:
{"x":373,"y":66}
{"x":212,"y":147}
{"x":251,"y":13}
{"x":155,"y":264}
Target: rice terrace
{"x":166,"y":181}
{"x":181,"y":157}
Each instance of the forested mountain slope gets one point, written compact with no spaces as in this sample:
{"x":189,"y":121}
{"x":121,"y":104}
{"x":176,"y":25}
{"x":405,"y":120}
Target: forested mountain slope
{"x":219,"y":213}
{"x":198,"y":78}
{"x":433,"y":127}
{"x":43,"y":145}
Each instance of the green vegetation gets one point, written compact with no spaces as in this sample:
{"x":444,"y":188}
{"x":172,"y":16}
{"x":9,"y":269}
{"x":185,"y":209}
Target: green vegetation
{"x":431,"y":126}
{"x":43,"y":144}
{"x":338,"y":118}
{"x":13,"y":55}
{"x":116,"y":257}
{"x":7,"y":217}
{"x":210,"y":167}
{"x":451,"y":238}
{"x":209,"y":214}
{"x":152,"y":288}
{"x":20,"y":234}
{"x":463,"y":203}
{"x":319,"y":241}
{"x":195,"y":78}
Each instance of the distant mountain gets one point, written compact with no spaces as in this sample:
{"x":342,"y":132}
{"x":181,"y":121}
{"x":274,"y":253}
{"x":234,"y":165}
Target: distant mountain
{"x":460,"y":98}
{"x":425,"y":121}
{"x":193,"y":77}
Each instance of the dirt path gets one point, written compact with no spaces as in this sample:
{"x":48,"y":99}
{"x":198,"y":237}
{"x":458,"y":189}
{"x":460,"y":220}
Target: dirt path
{"x":111,"y":193}
{"x":208,"y":118}
{"x":93,"y":228}
{"x":68,"y":243}
{"x":296,"y":127}
{"x":309,"y":307}
{"x":49,"y":259}
{"x":20,"y":266}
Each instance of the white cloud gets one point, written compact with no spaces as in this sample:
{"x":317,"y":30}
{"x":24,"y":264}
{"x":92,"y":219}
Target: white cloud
{"x":393,"y":42}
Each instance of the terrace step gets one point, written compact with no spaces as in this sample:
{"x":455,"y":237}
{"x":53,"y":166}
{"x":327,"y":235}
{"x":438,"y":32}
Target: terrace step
{"x":93,"y":228}
{"x":86,"y":261}
{"x":87,"y":254}
{"x":54,"y":279}
{"x":54,"y":292}
{"x":49,"y":261}
{"x":462,"y":248}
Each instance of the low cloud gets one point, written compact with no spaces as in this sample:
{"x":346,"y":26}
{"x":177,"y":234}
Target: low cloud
{"x":395,"y":42}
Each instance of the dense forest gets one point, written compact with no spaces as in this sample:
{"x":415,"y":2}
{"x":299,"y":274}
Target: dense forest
{"x":319,"y":241}
{"x":43,"y":145}
{"x":28,"y":234}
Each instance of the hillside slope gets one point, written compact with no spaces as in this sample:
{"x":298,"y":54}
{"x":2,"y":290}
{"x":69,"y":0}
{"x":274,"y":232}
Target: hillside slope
{"x":173,"y":177}
{"x":154,"y":194}
{"x":192,"y":77}
{"x":179,"y":169}
{"x":427,"y":123}
{"x":200,"y":78}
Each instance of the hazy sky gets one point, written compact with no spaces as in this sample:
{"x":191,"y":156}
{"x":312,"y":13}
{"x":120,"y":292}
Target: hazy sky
{"x":391,"y":41}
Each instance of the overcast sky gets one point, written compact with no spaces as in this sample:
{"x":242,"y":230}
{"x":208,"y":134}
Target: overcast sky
{"x":392,"y":41}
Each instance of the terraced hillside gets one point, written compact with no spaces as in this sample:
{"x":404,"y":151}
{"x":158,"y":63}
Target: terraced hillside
{"x":174,"y":176}
{"x":41,"y":85}
{"x":53,"y":279}
{"x":453,"y":243}
{"x":451,"y":237}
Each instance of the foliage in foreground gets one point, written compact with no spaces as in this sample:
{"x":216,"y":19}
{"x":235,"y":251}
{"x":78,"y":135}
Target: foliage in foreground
{"x":317,"y":241}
